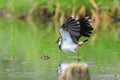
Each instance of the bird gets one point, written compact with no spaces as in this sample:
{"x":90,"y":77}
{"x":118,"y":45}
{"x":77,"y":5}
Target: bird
{"x":71,"y":31}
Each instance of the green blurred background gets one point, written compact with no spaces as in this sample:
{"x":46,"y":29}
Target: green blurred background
{"x":29,"y":30}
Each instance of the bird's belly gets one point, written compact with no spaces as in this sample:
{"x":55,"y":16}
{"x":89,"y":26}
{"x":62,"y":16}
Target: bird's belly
{"x":69,"y":47}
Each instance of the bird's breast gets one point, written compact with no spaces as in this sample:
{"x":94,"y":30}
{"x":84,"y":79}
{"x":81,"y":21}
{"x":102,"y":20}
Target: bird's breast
{"x":69,"y":47}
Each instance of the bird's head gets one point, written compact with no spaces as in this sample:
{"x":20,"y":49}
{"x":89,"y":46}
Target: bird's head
{"x":59,"y":41}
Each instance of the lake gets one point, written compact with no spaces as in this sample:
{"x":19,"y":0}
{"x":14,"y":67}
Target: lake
{"x":27,"y":53}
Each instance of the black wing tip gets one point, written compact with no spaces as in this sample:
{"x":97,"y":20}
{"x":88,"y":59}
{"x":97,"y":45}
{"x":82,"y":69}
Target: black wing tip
{"x":86,"y":26}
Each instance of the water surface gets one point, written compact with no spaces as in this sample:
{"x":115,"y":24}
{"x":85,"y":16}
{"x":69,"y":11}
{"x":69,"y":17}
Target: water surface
{"x":22,"y":46}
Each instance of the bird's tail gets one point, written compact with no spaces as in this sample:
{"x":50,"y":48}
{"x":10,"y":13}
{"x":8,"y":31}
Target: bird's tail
{"x":85,"y":40}
{"x":85,"y":26}
{"x":81,"y":43}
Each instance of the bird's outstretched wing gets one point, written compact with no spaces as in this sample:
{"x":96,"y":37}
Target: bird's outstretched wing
{"x":66,"y":35}
{"x":76,"y":28}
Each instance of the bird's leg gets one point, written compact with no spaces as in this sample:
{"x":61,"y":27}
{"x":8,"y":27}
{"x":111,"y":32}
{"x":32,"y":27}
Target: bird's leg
{"x":79,"y":45}
{"x":78,"y":54}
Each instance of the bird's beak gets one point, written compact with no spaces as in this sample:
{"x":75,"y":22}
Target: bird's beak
{"x":57,"y":41}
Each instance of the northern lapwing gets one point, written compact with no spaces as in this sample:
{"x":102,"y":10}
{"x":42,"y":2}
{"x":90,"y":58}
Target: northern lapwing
{"x":71,"y":31}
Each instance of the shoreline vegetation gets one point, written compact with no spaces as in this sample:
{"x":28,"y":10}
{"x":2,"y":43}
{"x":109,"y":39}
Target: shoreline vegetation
{"x":103,"y":13}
